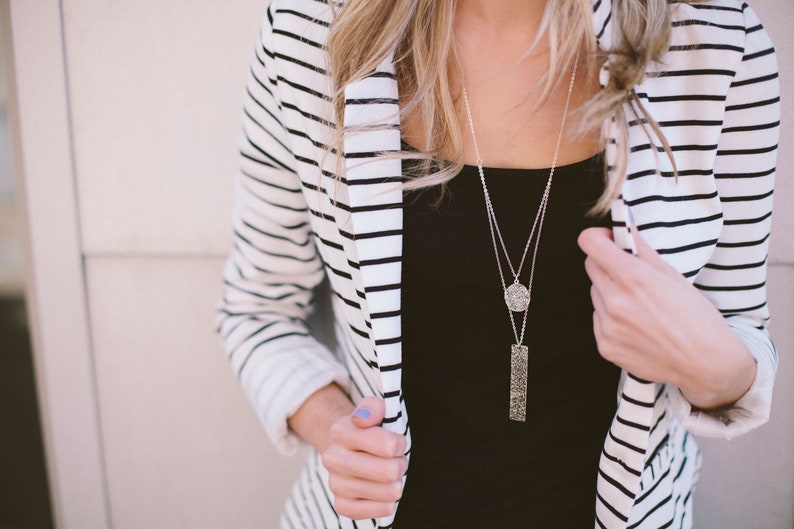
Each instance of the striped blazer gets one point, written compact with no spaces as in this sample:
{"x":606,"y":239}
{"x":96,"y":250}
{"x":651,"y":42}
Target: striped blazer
{"x":296,"y":222}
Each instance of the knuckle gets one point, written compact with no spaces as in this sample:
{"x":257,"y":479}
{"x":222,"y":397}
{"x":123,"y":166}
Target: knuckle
{"x":395,"y":490}
{"x":609,"y":328}
{"x":337,"y":430}
{"x":384,"y":509}
{"x":334,"y":485}
{"x":393,"y":445}
{"x":394,"y":469}
{"x":588,"y":265}
{"x":633,"y":279}
{"x":617,"y":310}
{"x":330,"y":458}
{"x":606,"y":352}
{"x":609,"y":352}
{"x":344,"y":507}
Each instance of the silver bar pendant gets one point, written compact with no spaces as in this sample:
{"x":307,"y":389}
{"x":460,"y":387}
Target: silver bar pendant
{"x":519,"y":360}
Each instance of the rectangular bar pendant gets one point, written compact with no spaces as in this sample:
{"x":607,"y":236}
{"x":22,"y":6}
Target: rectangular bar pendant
{"x":519,"y":360}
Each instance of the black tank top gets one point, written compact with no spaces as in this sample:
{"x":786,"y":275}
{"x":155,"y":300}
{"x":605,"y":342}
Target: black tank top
{"x":470,"y":466}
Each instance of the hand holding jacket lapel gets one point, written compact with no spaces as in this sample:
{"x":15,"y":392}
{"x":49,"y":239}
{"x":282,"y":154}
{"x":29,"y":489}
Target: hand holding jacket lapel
{"x":372,"y":126}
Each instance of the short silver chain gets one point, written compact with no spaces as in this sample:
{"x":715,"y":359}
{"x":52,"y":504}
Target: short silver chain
{"x":537,"y":224}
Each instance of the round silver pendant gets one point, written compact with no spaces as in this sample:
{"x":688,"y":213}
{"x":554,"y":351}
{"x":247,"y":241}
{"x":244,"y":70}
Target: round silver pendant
{"x":517,"y":297}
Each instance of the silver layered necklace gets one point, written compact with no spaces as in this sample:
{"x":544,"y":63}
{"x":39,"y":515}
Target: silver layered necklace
{"x":518,"y":295}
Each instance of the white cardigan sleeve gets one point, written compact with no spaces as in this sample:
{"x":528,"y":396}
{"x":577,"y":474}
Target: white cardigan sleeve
{"x":273,"y":268}
{"x":735,"y":277}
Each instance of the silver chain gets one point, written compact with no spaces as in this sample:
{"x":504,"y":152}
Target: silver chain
{"x":493,"y":224}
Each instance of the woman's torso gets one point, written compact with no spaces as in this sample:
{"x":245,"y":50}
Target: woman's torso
{"x":469,"y":463}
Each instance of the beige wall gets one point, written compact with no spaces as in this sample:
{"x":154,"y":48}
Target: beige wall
{"x":127,"y":125}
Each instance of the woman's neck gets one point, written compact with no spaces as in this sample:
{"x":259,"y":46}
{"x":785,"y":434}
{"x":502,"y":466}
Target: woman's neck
{"x":501,"y":16}
{"x":509,"y":28}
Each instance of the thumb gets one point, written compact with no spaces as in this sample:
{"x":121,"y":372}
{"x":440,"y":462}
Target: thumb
{"x":369,"y":412}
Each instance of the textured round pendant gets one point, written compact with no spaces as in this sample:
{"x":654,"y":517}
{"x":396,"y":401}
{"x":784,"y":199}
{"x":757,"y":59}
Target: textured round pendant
{"x":517,"y":297}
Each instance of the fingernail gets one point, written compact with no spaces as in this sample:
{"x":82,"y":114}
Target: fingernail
{"x":362,"y":413}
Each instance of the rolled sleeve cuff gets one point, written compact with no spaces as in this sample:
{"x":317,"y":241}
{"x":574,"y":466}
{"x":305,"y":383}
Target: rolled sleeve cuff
{"x":749,"y":412}
{"x":277,"y":394}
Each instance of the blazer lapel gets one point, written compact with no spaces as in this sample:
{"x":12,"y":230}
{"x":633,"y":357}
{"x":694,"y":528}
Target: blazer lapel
{"x":372,"y":126}
{"x":623,"y":457}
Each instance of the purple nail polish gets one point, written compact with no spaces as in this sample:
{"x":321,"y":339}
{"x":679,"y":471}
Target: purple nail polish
{"x":362,"y":413}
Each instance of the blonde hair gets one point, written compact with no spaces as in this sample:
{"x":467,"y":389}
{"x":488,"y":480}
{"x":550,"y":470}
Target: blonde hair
{"x":419,"y":33}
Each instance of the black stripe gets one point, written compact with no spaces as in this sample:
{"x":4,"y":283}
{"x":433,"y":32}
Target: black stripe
{"x":692,"y":123}
{"x":348,"y":302}
{"x":630,"y":424}
{"x":743,"y":244}
{"x":732,"y":288}
{"x":684,"y":23}
{"x":382,"y":288}
{"x":715,"y":7}
{"x":389,"y":341}
{"x":274,"y":236}
{"x":393,"y":367}
{"x":649,"y":459}
{"x":304,"y":16}
{"x":303,"y":88}
{"x":760,"y":174}
{"x":755,"y":80}
{"x":762,"y":53}
{"x":740,"y":222}
{"x":753,"y":104}
{"x":660,"y":198}
{"x":707,"y":46}
{"x":615,"y":483}
{"x":239,"y":236}
{"x":611,"y":508}
{"x":626,"y":444}
{"x":686,"y":247}
{"x":636,"y":402}
{"x":376,"y":207}
{"x":372,"y":101}
{"x":298,"y":62}
{"x":383,"y":315}
{"x":681,"y":97}
{"x":676,"y":223}
{"x":750,"y":128}
{"x":743,"y":266}
{"x":741,"y":310}
{"x":620,"y":462}
{"x":297,"y":37}
{"x":742,"y":152}
{"x":654,"y":509}
{"x":382,"y":260}
{"x":693,"y":72}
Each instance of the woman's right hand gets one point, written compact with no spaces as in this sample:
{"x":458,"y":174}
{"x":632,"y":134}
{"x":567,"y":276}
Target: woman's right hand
{"x":365,"y":462}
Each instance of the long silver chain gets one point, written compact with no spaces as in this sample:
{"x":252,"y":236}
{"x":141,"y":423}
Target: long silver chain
{"x":537,"y":224}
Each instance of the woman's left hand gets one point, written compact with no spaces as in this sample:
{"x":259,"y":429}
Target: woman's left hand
{"x":650,"y":321}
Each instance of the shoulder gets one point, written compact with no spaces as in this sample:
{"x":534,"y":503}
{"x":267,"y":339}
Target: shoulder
{"x":730,"y":21}
{"x":303,"y":21}
{"x":293,"y":40}
{"x":714,"y":37}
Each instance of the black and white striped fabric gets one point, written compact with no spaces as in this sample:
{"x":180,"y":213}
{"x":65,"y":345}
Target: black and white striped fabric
{"x":715,"y":94}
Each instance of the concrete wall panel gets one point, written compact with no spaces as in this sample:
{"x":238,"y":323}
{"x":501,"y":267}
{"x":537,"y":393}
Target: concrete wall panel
{"x":183,"y":448}
{"x":156,"y":91}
